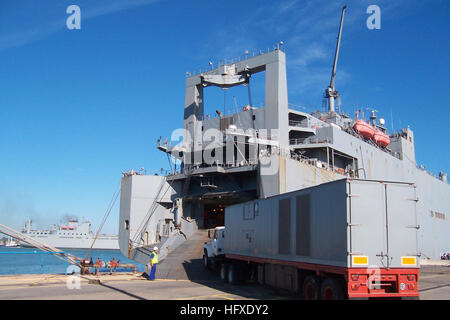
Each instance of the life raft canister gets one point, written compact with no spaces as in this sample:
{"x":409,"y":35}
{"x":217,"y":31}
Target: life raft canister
{"x":364,"y":129}
{"x":381,"y":138}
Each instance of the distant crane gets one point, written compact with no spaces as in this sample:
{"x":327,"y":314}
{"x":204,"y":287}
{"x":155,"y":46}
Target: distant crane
{"x":331,"y":93}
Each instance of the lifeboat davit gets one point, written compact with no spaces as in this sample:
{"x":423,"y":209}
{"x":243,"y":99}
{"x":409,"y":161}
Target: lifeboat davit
{"x":364,"y":129}
{"x":381,"y":138}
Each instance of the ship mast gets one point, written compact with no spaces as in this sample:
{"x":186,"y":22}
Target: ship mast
{"x":330,"y":92}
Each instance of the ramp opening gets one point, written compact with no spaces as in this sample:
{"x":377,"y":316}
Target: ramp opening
{"x":213,"y":216}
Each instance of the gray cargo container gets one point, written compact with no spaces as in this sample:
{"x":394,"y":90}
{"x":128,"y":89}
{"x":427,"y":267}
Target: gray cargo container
{"x":329,"y":224}
{"x":337,"y":227}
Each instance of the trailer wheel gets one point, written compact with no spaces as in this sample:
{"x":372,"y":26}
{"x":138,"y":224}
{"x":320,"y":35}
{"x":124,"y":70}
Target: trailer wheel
{"x":331,"y":289}
{"x":206,"y":261}
{"x":310,"y":288}
{"x":224,"y":272}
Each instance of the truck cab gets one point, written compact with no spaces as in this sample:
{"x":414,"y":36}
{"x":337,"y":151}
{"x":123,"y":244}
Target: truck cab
{"x":214,"y":249}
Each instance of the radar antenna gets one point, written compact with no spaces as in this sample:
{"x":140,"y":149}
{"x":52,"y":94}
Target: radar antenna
{"x":373,"y":116}
{"x":330,"y":92}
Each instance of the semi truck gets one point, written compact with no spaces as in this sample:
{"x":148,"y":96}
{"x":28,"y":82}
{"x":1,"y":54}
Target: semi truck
{"x":346,"y":239}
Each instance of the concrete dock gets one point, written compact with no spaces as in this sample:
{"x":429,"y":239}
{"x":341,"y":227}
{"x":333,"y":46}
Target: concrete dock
{"x":181,"y":276}
{"x":434,"y":284}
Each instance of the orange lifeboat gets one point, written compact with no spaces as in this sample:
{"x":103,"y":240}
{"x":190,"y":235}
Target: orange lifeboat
{"x":381,"y":138}
{"x":364,"y":129}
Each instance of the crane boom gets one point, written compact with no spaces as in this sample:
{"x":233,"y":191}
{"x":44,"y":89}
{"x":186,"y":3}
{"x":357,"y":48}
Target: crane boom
{"x":336,"y":54}
{"x":331,"y":93}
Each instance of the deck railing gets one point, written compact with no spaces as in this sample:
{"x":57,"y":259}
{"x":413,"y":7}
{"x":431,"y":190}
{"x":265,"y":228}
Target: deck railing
{"x":245,"y":56}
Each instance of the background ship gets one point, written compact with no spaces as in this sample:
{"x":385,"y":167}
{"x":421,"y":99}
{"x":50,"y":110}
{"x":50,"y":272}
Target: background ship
{"x":71,"y":236}
{"x":9,"y":242}
{"x":274,"y":149}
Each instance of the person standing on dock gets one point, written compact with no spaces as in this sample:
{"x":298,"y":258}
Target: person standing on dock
{"x":98,"y":265}
{"x":113,"y":265}
{"x":153,"y":263}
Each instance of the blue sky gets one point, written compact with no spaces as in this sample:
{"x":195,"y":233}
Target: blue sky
{"x":78,"y":107}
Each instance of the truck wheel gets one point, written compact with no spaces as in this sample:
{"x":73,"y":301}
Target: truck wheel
{"x":206,"y":261}
{"x":310,"y":288}
{"x":234,"y":274}
{"x":224,"y":272}
{"x":331,"y":289}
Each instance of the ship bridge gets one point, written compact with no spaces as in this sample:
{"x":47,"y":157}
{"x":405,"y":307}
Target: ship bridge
{"x":219,"y":156}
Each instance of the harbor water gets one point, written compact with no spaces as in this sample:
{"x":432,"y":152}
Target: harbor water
{"x":17,"y":260}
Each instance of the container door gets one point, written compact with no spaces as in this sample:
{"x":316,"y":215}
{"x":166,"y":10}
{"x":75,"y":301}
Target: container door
{"x":367,"y":224}
{"x":402,"y":225}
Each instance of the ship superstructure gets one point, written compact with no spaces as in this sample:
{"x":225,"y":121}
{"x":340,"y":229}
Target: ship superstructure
{"x":260,"y":152}
{"x":71,"y":235}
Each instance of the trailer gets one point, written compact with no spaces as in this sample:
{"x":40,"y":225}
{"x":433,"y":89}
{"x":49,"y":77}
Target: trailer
{"x":349,"y":238}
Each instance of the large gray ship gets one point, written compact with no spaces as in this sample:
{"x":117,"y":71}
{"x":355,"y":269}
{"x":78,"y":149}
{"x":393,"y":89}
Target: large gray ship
{"x":72,"y":235}
{"x":259,"y":152}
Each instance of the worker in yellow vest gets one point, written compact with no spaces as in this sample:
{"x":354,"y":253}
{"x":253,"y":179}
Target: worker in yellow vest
{"x":153,"y":263}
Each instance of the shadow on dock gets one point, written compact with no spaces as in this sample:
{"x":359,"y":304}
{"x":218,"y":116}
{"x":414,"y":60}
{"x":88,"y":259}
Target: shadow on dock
{"x":186,"y":263}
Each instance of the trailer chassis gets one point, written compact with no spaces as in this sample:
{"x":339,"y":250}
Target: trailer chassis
{"x":333,"y":282}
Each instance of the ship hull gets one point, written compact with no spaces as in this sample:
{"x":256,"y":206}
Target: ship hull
{"x":109,"y":243}
{"x":433,"y":197}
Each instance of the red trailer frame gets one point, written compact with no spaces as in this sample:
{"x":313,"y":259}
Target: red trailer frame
{"x":361,"y":282}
